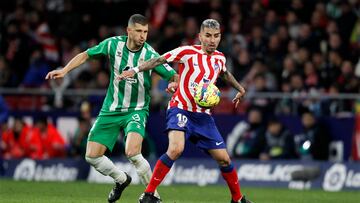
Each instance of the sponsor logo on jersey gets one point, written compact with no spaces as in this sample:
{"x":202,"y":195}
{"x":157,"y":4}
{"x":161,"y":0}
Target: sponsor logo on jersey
{"x":118,"y":53}
{"x":131,"y":80}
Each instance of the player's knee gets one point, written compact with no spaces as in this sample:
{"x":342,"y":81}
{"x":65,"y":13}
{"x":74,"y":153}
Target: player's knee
{"x":91,"y":160}
{"x":175,"y":152}
{"x":224,"y":161}
{"x":131,"y":152}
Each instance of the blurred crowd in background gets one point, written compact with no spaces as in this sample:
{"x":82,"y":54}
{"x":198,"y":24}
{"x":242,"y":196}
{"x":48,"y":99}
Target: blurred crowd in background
{"x":297,"y":47}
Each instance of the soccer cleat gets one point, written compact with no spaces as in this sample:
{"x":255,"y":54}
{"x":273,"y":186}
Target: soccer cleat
{"x":148,"y":197}
{"x":243,"y":200}
{"x":115,"y":193}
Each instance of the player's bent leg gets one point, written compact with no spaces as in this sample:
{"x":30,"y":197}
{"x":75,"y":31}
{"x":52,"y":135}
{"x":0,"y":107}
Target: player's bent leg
{"x":221,"y":156}
{"x":133,"y":152}
{"x":164,"y":164}
{"x":95,"y":157}
{"x":94,"y":149}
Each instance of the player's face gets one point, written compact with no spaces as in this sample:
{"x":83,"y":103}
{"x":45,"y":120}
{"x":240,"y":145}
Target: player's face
{"x":138,"y":33}
{"x":210,"y":39}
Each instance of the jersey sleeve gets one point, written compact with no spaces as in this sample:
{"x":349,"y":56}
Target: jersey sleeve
{"x":178,"y":54}
{"x":99,"y":50}
{"x":164,"y":70}
{"x":223,"y":69}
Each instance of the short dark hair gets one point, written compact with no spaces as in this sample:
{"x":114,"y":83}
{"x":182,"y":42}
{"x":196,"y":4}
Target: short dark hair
{"x":138,"y":18}
{"x":210,"y":23}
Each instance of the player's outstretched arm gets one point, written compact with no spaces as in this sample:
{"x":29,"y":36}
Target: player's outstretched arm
{"x":229,"y":78}
{"x":147,"y":65}
{"x":75,"y":62}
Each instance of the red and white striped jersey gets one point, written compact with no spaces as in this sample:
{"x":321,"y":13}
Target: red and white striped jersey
{"x":194,"y":66}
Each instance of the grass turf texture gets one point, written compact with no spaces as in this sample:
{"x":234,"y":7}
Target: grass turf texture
{"x":24,"y":192}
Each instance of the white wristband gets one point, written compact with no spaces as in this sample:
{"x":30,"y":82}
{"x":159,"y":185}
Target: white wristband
{"x":136,"y":69}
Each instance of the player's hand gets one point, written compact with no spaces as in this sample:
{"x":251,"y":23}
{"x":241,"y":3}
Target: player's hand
{"x":238,"y":97}
{"x":172,"y":87}
{"x":126,"y":74}
{"x":55,"y":74}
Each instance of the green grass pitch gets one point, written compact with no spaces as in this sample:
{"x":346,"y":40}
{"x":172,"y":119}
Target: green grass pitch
{"x":38,"y":192}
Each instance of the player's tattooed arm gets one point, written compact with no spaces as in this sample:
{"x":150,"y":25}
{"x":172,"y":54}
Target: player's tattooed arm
{"x":147,"y":65}
{"x":152,"y":63}
{"x":230,"y":79}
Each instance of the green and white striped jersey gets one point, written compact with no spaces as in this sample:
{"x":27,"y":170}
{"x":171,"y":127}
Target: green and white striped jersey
{"x":133,"y":93}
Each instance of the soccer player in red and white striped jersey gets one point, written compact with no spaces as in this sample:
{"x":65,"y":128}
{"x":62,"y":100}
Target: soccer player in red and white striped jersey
{"x":185,"y":119}
{"x":195,"y":66}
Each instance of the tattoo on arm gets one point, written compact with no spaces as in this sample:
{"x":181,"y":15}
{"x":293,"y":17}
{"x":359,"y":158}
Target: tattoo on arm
{"x":152,"y":63}
{"x":230,"y":79}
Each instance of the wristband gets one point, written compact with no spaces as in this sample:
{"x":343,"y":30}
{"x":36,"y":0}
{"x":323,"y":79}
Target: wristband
{"x":136,"y":69}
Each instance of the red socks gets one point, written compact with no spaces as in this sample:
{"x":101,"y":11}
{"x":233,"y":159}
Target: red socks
{"x":160,"y":170}
{"x":232,"y":181}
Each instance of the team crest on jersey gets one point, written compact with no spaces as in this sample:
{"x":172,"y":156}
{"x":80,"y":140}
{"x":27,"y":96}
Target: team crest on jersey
{"x":216,"y":66}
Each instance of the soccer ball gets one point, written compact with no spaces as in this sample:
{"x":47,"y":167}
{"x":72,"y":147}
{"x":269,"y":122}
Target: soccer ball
{"x":207,"y":95}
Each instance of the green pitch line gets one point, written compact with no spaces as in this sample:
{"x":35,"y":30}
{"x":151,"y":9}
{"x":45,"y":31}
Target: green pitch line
{"x":77,"y":192}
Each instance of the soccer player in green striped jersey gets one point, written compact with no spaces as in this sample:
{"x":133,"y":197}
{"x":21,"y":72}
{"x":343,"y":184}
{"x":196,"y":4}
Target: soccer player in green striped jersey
{"x":126,"y":104}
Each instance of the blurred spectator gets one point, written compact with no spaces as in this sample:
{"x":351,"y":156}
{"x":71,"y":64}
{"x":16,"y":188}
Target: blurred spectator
{"x":300,"y":9}
{"x":257,"y":44}
{"x":347,"y":81}
{"x":191,"y":31}
{"x":306,"y":38}
{"x":79,"y":139}
{"x":275,"y":54}
{"x":285,"y":105}
{"x":293,"y":24}
{"x":53,"y":143}
{"x":241,"y":65}
{"x":330,"y":71}
{"x":271,"y":23}
{"x":279,"y":142}
{"x":347,"y":15}
{"x":35,"y":75}
{"x":170,"y":39}
{"x":311,"y":76}
{"x":313,"y":143}
{"x":19,"y":142}
{"x":245,"y":139}
{"x":46,"y":39}
{"x":4,"y":111}
{"x":332,"y":8}
{"x":333,"y":107}
{"x":259,"y":85}
{"x":289,"y":67}
{"x":255,"y":16}
{"x":6,"y":76}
